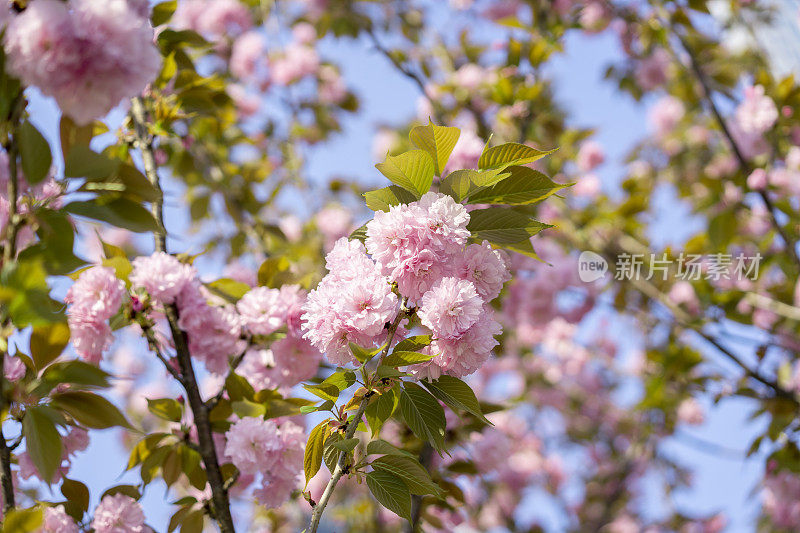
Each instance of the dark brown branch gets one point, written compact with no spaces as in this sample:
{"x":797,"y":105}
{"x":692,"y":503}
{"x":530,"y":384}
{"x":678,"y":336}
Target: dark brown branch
{"x":219,"y":494}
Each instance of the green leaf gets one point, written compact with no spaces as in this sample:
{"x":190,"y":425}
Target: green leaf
{"x":193,"y":522}
{"x":162,"y":13}
{"x":144,"y":448}
{"x":359,"y":234}
{"x":456,"y":394}
{"x":229,"y":289}
{"x":167,"y":409}
{"x":47,"y":343}
{"x":83,"y":162}
{"x":391,"y":492}
{"x":76,"y":373}
{"x":412,"y":170}
{"x":245,"y":408}
{"x":413,"y":344}
{"x":330,"y":454}
{"x":72,"y":134}
{"x":23,"y":520}
{"x":438,"y":141}
{"x":273,"y":272}
{"x":238,"y":387}
{"x":42,"y":442}
{"x":524,"y":186}
{"x":127,"y":490}
{"x":326,"y":391}
{"x":383,"y":199}
{"x":403,"y":358}
{"x":346,"y":445}
{"x":363,"y":355}
{"x":503,"y":225}
{"x":89,"y":409}
{"x":77,"y":495}
{"x":410,"y":471}
{"x":460,"y":184}
{"x":34,"y":153}
{"x":312,"y":460}
{"x":117,"y":211}
{"x":125,"y":179}
{"x":380,"y":446}
{"x":381,"y":409}
{"x":423,"y":415}
{"x":508,"y":154}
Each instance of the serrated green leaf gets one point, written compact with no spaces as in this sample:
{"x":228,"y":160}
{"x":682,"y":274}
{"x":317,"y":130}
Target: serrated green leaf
{"x":363,"y":355}
{"x":438,"y":141}
{"x":509,"y":154}
{"x":346,"y":445}
{"x":410,"y":471}
{"x":391,"y":492}
{"x":383,"y":199}
{"x":312,"y":460}
{"x":423,"y":415}
{"x":405,"y":358}
{"x":380,"y":446}
{"x":413,"y":344}
{"x":412,"y":170}
{"x":460,"y":184}
{"x":381,"y":409}
{"x":34,"y":153}
{"x":503,"y":225}
{"x":523,"y":186}
{"x":456,"y":394}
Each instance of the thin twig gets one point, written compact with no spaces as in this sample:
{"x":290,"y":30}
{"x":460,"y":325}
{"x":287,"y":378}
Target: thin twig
{"x":219,"y":494}
{"x":338,"y":472}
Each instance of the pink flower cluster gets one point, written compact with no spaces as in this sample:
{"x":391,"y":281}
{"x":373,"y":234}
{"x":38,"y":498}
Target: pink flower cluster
{"x":87,"y":54}
{"x":56,"y":520}
{"x":781,"y":499}
{"x":275,"y":451}
{"x":214,"y":332}
{"x":119,"y":513}
{"x":93,"y":299}
{"x":213,"y":19}
{"x":289,"y":360}
{"x":422,"y":249}
{"x":757,"y":113}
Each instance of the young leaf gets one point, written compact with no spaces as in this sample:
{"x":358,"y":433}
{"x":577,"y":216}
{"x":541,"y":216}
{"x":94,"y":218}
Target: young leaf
{"x":412,"y":170}
{"x":523,"y":186}
{"x":34,"y":153}
{"x":346,"y":445}
{"x":508,"y":154}
{"x":460,"y":184}
{"x":77,"y":373}
{"x":77,"y":495}
{"x":410,"y":471}
{"x":167,"y":409}
{"x":42,"y":442}
{"x":403,"y":358}
{"x":383,"y":199}
{"x":413,"y":344}
{"x":503,"y":225}
{"x":438,"y":141}
{"x":423,"y":415}
{"x":391,"y":492}
{"x":381,"y":409}
{"x":363,"y":355}
{"x":23,"y":520}
{"x":312,"y":460}
{"x":456,"y":394}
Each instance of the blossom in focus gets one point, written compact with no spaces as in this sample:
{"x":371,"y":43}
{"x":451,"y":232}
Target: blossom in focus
{"x":162,"y":276}
{"x":93,"y":299}
{"x":119,"y":513}
{"x":262,"y":310}
{"x":87,"y":54}
{"x":450,"y":308}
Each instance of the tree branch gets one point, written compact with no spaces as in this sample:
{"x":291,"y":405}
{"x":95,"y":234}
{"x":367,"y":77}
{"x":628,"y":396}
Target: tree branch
{"x":219,"y":493}
{"x":5,"y":453}
{"x":338,"y":472}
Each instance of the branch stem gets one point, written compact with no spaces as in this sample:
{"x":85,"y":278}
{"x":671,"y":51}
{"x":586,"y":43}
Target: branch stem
{"x":338,"y":472}
{"x":220,"y":502}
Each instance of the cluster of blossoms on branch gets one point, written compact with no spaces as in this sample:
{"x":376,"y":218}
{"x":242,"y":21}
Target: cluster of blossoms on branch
{"x":87,"y":54}
{"x":421,"y":250}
